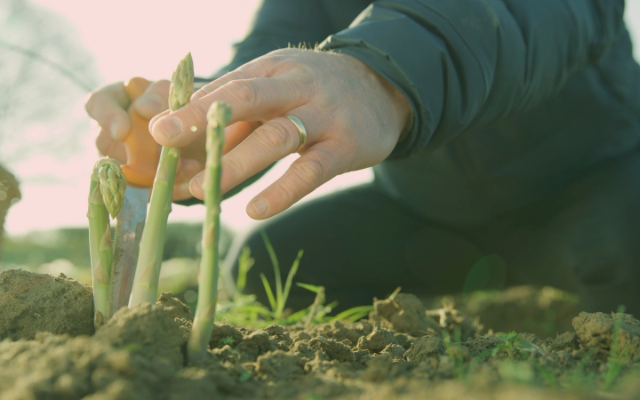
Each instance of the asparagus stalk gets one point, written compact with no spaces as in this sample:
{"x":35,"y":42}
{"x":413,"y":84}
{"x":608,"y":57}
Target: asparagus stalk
{"x":105,"y":197}
{"x":218,"y":117}
{"x":145,"y":283}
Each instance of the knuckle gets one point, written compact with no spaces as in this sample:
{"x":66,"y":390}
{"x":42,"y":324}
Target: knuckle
{"x":275,"y":136}
{"x":160,"y":87}
{"x":208,"y":88}
{"x":310,"y":172}
{"x":244,"y":91}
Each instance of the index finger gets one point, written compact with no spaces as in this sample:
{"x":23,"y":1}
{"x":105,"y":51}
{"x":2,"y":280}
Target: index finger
{"x":257,"y":99}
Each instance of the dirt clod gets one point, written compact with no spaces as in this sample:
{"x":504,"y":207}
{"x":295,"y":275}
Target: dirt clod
{"x":405,"y":313}
{"x":31,"y":303}
{"x":377,"y":340}
{"x":426,"y":347}
{"x":394,"y":350}
{"x":598,"y":330}
{"x":174,"y":307}
{"x":561,"y":342}
{"x":146,"y":329}
{"x":334,"y":350}
{"x":225,"y":335}
{"x":280,"y":364}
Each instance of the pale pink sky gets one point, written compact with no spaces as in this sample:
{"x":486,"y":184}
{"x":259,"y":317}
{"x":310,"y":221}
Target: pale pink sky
{"x":129,"y":38}
{"x":135,"y":37}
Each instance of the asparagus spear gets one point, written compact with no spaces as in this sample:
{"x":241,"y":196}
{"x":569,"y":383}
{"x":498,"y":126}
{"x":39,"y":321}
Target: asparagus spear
{"x":218,"y":117}
{"x":105,"y":197}
{"x":145,"y":283}
{"x":112,"y":185}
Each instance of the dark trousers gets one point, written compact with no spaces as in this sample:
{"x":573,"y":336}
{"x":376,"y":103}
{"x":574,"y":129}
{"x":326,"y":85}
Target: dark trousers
{"x":360,"y":244}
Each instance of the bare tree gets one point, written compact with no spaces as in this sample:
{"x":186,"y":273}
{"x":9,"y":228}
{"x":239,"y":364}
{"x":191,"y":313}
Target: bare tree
{"x":44,"y":71}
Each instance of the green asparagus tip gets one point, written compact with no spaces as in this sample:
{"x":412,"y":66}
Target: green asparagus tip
{"x":219,"y":113}
{"x":112,"y":184}
{"x":181,"y":84}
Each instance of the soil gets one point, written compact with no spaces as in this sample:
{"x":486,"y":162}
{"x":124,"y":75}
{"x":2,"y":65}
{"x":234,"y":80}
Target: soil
{"x":402,"y":351}
{"x":31,"y":303}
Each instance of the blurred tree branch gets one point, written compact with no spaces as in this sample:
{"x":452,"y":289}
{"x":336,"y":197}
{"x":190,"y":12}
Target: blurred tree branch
{"x":44,"y":72}
{"x":37,"y":57}
{"x":40,"y":61}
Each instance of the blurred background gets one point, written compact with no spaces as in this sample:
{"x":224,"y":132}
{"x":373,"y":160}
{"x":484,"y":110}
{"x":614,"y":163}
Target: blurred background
{"x":52,"y":53}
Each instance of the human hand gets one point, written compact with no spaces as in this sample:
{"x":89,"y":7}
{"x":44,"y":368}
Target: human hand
{"x":108,"y":105}
{"x":352,"y":115}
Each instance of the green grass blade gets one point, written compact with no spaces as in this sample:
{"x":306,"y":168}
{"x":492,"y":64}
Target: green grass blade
{"x":252,"y":309}
{"x":320,"y":315}
{"x":276,"y":265}
{"x":267,"y":289}
{"x":353,"y":312}
{"x":245,"y":262}
{"x":287,"y":287}
{"x":311,"y":288}
{"x":298,"y":316}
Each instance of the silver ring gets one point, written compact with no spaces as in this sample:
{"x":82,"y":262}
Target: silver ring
{"x":302,"y":131}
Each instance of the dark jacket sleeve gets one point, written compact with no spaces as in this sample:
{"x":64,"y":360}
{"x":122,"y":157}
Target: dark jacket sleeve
{"x":464,"y":63}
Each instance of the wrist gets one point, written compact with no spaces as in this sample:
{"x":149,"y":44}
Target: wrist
{"x":395,"y":101}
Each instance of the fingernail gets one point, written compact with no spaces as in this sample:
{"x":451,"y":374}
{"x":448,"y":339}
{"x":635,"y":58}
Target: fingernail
{"x":195,"y":186}
{"x":169,"y":127}
{"x":113,"y":129}
{"x":181,"y":189}
{"x":199,"y":179}
{"x":260,"y":206}
{"x":149,"y":104}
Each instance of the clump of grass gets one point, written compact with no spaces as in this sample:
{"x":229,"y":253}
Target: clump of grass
{"x":278,"y":301}
{"x":244,"y":310}
{"x":513,"y":345}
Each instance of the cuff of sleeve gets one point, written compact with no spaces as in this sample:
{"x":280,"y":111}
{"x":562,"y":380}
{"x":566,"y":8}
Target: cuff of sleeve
{"x":384,"y":65}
